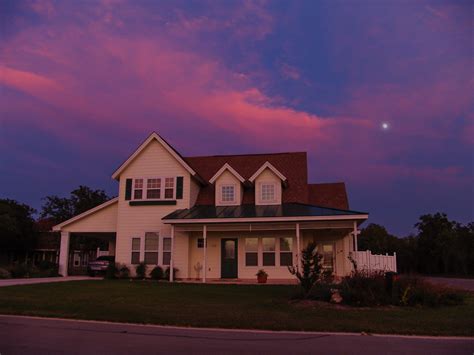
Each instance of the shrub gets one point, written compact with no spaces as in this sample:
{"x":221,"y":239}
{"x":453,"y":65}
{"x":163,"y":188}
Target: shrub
{"x":112,"y":271}
{"x":311,"y":268}
{"x":19,"y":270}
{"x":167,"y":273}
{"x":363,"y":289}
{"x":321,"y":292}
{"x":157,"y":273}
{"x":412,"y":291}
{"x":5,"y":274}
{"x":140,"y":270}
{"x":124,"y":272}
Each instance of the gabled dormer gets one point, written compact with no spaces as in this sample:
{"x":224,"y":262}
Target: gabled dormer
{"x":268,"y":182}
{"x":228,"y":184}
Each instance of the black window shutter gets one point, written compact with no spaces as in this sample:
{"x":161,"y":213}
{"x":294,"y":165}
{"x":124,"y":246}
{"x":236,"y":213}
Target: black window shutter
{"x":128,"y":189}
{"x":179,"y":188}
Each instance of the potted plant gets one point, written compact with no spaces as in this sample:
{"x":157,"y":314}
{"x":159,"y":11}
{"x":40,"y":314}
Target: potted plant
{"x":262,"y":276}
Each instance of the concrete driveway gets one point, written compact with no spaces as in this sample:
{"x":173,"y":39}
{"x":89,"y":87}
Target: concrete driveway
{"x":13,"y":282}
{"x":27,"y":335}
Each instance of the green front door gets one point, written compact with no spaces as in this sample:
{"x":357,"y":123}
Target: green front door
{"x":229,"y":258}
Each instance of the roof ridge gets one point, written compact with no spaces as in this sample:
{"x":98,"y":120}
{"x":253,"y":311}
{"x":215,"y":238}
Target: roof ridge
{"x":237,"y":155}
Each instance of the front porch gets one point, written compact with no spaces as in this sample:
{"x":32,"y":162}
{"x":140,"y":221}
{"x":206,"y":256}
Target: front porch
{"x":235,"y":252}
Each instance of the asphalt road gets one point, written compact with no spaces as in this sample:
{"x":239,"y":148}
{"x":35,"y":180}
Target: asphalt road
{"x":24,"y":335}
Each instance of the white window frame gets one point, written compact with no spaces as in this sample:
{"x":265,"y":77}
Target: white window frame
{"x":139,"y":250}
{"x":291,"y":251}
{"x":221,"y":194}
{"x":320,"y":250}
{"x":252,"y":251}
{"x":151,"y":250}
{"x":274,"y":252}
{"x":275,"y":191}
{"x":163,"y":250}
{"x":162,"y":188}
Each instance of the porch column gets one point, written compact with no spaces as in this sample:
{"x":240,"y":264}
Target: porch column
{"x":204,"y":236}
{"x":355,"y":233}
{"x":298,"y":248}
{"x":172,"y":255}
{"x":64,"y":253}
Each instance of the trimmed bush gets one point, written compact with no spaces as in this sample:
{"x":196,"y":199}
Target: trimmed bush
{"x":321,"y":292}
{"x":157,"y":273}
{"x":124,"y":272}
{"x":140,"y":270}
{"x":167,"y":273}
{"x":362,"y":289}
{"x":112,"y":271}
{"x":5,"y":274}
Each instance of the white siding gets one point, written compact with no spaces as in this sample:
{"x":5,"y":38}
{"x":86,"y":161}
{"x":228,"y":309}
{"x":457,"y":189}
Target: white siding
{"x":104,"y":220}
{"x":134,"y":221}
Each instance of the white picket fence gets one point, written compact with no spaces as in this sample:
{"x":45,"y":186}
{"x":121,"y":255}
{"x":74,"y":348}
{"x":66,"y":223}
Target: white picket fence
{"x":375,"y":262}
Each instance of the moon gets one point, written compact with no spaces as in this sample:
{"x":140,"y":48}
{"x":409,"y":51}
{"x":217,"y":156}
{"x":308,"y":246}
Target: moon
{"x":385,"y":126}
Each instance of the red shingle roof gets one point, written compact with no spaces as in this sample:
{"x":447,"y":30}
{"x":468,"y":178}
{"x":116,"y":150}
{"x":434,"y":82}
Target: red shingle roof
{"x":292,"y":165}
{"x":328,"y":195}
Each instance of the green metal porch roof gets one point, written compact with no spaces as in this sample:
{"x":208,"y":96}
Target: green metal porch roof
{"x":253,"y":211}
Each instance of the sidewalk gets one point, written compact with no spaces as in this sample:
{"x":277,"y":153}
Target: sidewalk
{"x":42,"y":280}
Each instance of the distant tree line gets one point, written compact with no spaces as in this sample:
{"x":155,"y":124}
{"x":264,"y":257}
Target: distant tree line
{"x":440,"y":246}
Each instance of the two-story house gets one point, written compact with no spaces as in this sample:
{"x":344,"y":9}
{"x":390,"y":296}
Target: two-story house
{"x":219,"y":217}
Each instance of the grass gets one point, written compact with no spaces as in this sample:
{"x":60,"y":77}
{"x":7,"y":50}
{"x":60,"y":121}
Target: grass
{"x":225,"y":306}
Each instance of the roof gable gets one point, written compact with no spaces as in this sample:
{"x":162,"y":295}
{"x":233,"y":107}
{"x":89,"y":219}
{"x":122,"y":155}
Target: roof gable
{"x":227,"y":167}
{"x":168,"y":148}
{"x":269,"y":166}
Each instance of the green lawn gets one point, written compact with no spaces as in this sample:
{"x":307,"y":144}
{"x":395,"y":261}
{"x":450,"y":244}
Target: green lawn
{"x":227,"y":306}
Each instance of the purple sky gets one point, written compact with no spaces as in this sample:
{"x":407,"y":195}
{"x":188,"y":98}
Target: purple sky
{"x":82,"y":83}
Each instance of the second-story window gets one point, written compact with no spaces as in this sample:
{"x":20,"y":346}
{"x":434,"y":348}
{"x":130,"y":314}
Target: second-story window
{"x":138,"y":189}
{"x":169,"y":188}
{"x":228,"y":193}
{"x":268,"y":192}
{"x":153,"y":189}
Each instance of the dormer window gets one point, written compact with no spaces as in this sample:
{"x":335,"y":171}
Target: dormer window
{"x":228,"y":193}
{"x":268,"y":192}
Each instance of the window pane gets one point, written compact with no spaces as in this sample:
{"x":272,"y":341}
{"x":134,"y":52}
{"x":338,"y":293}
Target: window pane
{"x":251,"y":259}
{"x":136,"y":244}
{"x":229,"y":248}
{"x":169,"y":182}
{"x":153,"y":183}
{"x":286,"y":259}
{"x":251,"y":244}
{"x":151,"y":258}
{"x":138,"y":194}
{"x":286,"y":244}
{"x":268,"y":244}
{"x":153,"y":193}
{"x":135,"y":257}
{"x":169,"y":193}
{"x":167,"y":244}
{"x":268,"y":192}
{"x":227,"y":193}
{"x":268,"y":259}
{"x":139,"y":183}
{"x":151,"y":241}
{"x":166,"y":258}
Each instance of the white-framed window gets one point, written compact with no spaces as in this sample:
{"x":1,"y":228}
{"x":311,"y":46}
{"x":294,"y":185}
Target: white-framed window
{"x":200,"y":243}
{"x":268,"y":251}
{"x":154,"y":188}
{"x":268,"y":192}
{"x":169,"y":188}
{"x":138,"y":189}
{"x":151,"y":248}
{"x":228,"y":193}
{"x":135,"y":251}
{"x":327,"y":252}
{"x":166,"y":251}
{"x":286,"y":251}
{"x":251,"y":251}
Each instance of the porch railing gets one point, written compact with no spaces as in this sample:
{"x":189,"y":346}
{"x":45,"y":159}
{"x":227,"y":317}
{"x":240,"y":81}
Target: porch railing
{"x":367,"y":261}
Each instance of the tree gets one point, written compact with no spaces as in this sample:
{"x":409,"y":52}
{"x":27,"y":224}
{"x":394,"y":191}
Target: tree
{"x":82,"y":199}
{"x":17,"y":226}
{"x":311,"y":268}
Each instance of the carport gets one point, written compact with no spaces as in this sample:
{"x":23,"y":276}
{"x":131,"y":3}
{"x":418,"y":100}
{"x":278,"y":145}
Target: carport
{"x":87,"y":236}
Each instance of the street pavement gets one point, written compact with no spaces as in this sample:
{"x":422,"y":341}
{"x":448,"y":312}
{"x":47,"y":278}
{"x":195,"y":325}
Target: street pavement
{"x":28,"y":335}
